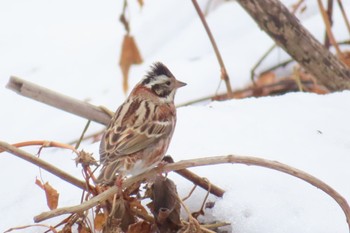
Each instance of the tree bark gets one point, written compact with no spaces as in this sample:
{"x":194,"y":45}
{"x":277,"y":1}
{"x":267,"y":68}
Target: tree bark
{"x":285,"y":29}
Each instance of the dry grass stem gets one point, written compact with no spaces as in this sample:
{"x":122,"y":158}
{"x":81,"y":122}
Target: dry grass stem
{"x":82,"y":134}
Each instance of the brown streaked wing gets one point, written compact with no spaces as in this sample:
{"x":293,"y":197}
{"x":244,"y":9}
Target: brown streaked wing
{"x":135,"y":140}
{"x":129,"y":135}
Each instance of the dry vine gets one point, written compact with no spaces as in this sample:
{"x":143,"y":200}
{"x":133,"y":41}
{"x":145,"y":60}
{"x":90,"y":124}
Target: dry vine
{"x":203,"y":162}
{"x":193,"y":163}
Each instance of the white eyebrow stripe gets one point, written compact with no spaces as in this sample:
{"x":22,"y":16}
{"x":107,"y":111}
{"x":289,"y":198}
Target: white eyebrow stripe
{"x":156,"y":80}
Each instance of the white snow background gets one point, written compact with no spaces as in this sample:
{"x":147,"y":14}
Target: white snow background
{"x":73,"y":47}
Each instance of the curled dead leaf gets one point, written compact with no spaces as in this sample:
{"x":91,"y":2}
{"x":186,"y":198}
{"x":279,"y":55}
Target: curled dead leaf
{"x":51,"y":194}
{"x":120,"y":216}
{"x":140,"y":3}
{"x":137,"y":208}
{"x":346,"y":58}
{"x":99,"y":221}
{"x":83,"y":229}
{"x":165,"y":205}
{"x":266,"y":78}
{"x":140,"y":227}
{"x":130,"y":55}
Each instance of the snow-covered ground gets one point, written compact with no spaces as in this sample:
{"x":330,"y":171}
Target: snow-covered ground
{"x":73,"y":47}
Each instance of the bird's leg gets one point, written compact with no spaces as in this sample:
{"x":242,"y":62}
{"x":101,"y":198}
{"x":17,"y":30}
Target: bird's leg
{"x":119,"y":181}
{"x":160,"y":167}
{"x":119,"y":194}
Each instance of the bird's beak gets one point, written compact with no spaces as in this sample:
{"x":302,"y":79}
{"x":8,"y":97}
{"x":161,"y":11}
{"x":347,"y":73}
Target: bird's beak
{"x":179,"y":84}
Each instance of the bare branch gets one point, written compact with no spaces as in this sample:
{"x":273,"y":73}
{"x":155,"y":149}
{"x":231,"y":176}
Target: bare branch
{"x":224,"y":75}
{"x":343,"y":12}
{"x":203,"y":162}
{"x":283,"y":27}
{"x":58,"y":100}
{"x":328,"y":25}
{"x":43,"y":164}
{"x":197,"y":180}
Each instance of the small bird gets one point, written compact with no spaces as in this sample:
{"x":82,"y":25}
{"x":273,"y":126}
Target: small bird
{"x":141,"y":129}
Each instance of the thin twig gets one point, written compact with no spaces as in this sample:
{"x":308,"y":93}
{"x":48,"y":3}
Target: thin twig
{"x":191,"y":219}
{"x":224,"y":75}
{"x":43,"y":164}
{"x":252,"y":72}
{"x":329,"y":13}
{"x":203,"y":162}
{"x":123,"y":19}
{"x":83,"y":134}
{"x":343,"y":12}
{"x":197,"y":180}
{"x":32,"y":225}
{"x":296,"y":77}
{"x":216,"y":225}
{"x":190,"y":193}
{"x":282,"y":64}
{"x":44,"y":144}
{"x":88,"y":136}
{"x":195,"y":101}
{"x":328,"y":30}
{"x":296,"y":6}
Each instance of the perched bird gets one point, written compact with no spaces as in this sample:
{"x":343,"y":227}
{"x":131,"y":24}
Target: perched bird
{"x":140,"y":131}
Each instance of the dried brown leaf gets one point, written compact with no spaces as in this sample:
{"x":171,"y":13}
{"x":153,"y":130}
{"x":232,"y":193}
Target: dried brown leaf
{"x":266,"y":78}
{"x":346,"y":58}
{"x":99,"y":221}
{"x":122,"y":216}
{"x":140,"y":2}
{"x":137,"y":207}
{"x":130,"y":55}
{"x":83,"y":229}
{"x":166,"y":205}
{"x":51,"y":194}
{"x":66,"y":229}
{"x":140,"y":227}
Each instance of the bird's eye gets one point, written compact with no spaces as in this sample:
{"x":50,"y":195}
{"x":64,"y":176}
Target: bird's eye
{"x":168,"y":83}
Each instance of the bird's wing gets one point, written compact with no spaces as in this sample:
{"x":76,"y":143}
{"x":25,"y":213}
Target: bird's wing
{"x":126,"y":137}
{"x":136,"y":140}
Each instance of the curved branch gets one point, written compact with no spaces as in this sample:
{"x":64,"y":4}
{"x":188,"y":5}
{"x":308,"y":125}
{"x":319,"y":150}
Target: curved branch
{"x":224,"y":75}
{"x":43,"y":164}
{"x":42,"y":143}
{"x":203,"y":162}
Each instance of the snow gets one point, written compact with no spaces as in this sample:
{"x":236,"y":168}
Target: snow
{"x":73,"y":47}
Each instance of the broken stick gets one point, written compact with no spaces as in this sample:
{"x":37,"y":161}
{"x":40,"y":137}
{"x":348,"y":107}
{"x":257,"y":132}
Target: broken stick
{"x":57,"y":100}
